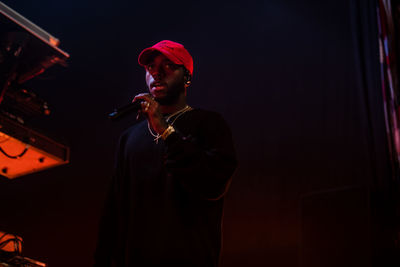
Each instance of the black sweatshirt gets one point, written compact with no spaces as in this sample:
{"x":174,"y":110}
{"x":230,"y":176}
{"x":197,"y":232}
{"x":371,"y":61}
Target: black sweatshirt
{"x":166,"y":199}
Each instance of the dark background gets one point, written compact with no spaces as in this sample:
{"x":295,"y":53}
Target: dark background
{"x":296,"y":80}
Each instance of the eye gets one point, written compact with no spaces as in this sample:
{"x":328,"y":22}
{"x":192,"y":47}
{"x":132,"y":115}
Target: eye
{"x":170,"y":66}
{"x":150,"y":67}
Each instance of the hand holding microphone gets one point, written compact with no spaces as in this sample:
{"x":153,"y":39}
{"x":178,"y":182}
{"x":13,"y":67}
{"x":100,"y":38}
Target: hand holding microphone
{"x":148,"y":106}
{"x":151,"y":110}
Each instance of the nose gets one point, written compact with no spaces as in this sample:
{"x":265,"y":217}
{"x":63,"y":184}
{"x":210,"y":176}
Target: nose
{"x":157,"y":72}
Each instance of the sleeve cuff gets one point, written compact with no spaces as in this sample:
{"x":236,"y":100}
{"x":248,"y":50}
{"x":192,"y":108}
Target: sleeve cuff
{"x":172,"y":138}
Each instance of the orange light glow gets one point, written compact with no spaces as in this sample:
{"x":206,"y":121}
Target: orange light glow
{"x":54,"y":41}
{"x":32,"y":161}
{"x":12,"y":243}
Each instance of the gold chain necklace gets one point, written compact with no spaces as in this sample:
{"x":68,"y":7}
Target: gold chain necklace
{"x":168,"y":118}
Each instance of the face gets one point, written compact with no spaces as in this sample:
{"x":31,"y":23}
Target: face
{"x":165,"y":80}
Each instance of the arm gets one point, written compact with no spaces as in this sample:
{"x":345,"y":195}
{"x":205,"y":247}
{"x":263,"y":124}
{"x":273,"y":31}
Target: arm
{"x":204,"y":160}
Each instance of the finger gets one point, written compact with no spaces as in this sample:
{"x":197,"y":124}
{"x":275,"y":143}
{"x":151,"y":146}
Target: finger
{"x":143,"y":96}
{"x":145,"y":105}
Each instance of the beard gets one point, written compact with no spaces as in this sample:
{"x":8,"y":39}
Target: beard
{"x":172,"y":96}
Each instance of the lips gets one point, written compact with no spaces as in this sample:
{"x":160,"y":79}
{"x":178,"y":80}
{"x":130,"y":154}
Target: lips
{"x":158,"y":86}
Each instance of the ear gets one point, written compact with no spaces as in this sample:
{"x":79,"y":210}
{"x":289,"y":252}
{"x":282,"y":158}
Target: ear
{"x":188,"y":78}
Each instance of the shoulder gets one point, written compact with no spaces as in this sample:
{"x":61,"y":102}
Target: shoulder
{"x":203,"y":116}
{"x":200,"y":119}
{"x":204,"y":125}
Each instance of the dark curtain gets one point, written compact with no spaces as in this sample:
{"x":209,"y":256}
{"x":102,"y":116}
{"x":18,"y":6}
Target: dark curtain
{"x":372,"y":79}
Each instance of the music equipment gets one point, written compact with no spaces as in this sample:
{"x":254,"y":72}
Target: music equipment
{"x":11,"y":252}
{"x":24,"y":151}
{"x":26,"y":50}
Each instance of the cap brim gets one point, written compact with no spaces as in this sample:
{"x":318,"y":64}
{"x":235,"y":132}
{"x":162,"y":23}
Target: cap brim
{"x":144,"y":56}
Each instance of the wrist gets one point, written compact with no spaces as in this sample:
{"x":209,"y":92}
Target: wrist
{"x":167,"y":132}
{"x":161,"y":127}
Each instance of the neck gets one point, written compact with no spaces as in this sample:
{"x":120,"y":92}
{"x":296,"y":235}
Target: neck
{"x":178,"y":105}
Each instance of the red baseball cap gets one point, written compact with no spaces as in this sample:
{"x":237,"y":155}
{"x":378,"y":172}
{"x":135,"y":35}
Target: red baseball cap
{"x":175,"y":52}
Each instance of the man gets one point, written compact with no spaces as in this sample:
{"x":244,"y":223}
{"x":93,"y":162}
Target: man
{"x":172,"y":171}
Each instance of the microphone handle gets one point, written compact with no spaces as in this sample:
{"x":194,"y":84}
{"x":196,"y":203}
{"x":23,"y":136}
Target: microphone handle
{"x":121,"y":112}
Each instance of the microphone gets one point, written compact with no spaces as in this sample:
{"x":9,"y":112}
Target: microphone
{"x":118,"y":113}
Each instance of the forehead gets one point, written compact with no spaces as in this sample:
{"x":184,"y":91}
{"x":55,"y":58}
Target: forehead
{"x":156,"y":56}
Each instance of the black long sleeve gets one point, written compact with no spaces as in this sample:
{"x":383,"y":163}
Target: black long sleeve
{"x":202,"y":158}
{"x":165,"y":203}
